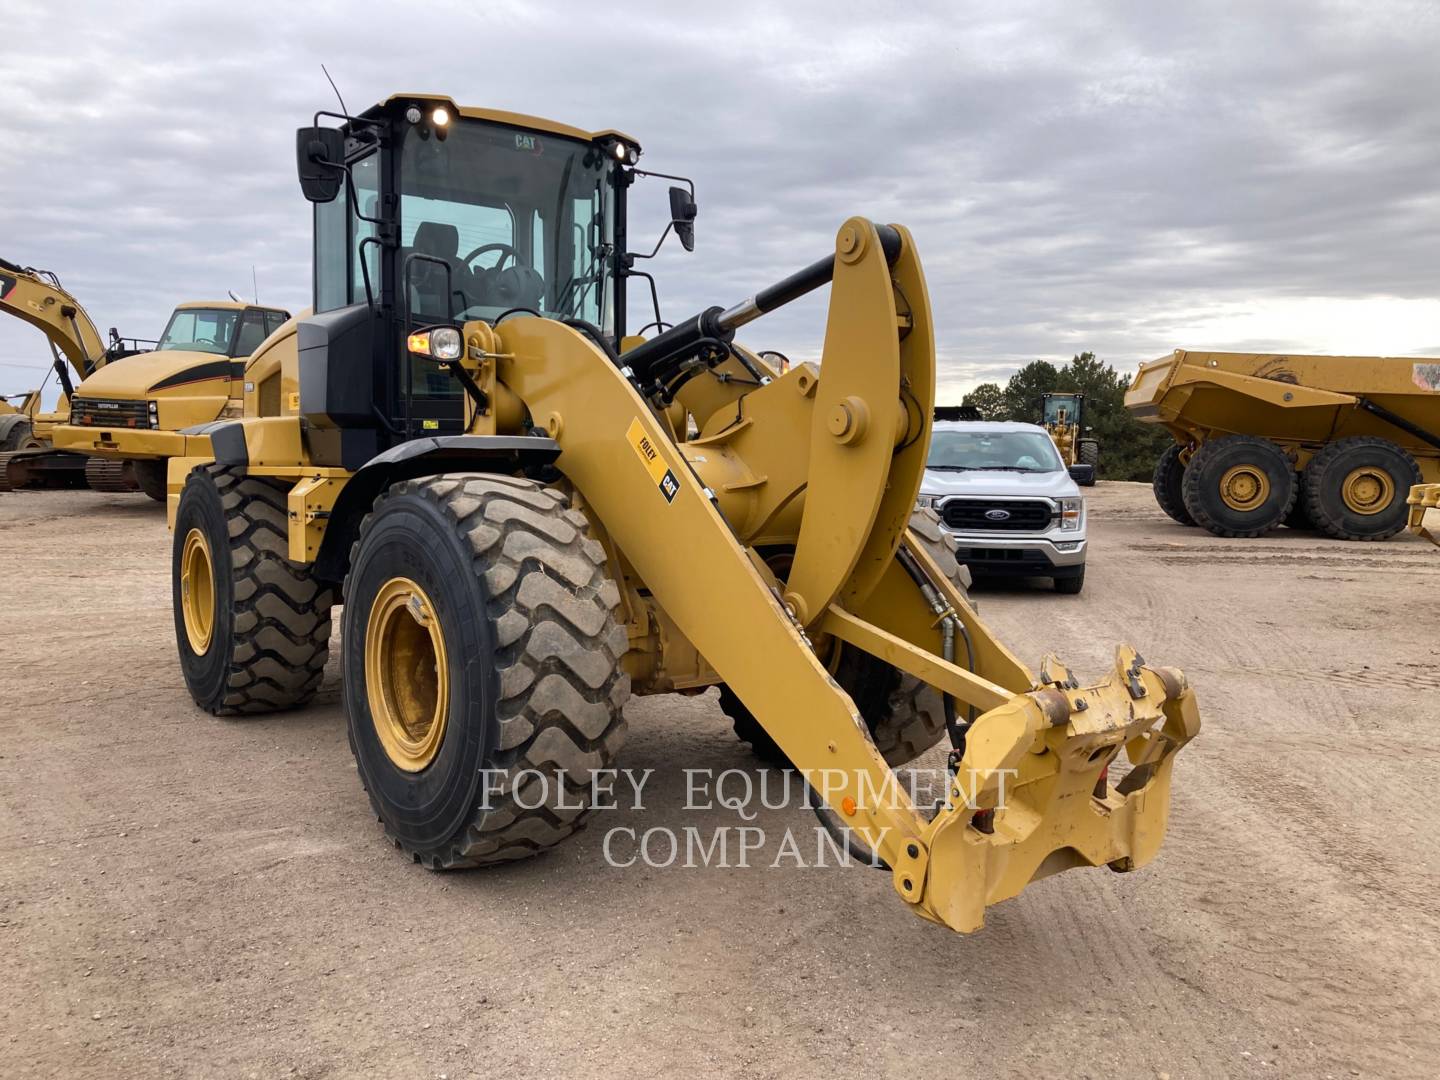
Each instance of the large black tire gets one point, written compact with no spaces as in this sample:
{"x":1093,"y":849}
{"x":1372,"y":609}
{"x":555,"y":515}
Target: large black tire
{"x":1261,"y":459}
{"x":527,"y":617}
{"x":1087,"y":452}
{"x":1389,"y":467}
{"x":270,"y":633}
{"x":16,"y":434}
{"x":1299,"y":516}
{"x":1168,"y":483}
{"x":150,"y":477}
{"x":905,"y":716}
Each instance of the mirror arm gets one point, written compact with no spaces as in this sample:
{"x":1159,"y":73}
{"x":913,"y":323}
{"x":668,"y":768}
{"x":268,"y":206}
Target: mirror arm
{"x":658,"y":243}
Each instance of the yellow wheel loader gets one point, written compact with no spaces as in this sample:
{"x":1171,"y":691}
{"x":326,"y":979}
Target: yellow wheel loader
{"x":1333,"y":443}
{"x":38,"y":298}
{"x":532,"y":515}
{"x":1064,"y":418}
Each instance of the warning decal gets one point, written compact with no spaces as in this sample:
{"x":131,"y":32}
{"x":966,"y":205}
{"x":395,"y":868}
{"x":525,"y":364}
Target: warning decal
{"x":653,"y":462}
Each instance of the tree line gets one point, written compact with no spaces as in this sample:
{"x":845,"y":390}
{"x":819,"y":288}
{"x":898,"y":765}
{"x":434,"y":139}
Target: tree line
{"x":1128,"y":448}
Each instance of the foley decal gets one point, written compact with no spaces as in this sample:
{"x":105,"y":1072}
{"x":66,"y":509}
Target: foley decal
{"x":653,"y":462}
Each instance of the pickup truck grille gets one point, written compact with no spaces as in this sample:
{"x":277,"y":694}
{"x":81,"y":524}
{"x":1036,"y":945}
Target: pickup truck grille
{"x":98,"y":412}
{"x":984,"y":515}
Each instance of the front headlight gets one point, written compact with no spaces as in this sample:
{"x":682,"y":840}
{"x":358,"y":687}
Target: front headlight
{"x":1072,"y":511}
{"x":154,"y":414}
{"x":438,"y":343}
{"x":927,"y":502}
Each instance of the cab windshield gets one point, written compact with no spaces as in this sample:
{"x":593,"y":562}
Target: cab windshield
{"x":208,"y":330}
{"x":1005,"y":451}
{"x":494,"y":219}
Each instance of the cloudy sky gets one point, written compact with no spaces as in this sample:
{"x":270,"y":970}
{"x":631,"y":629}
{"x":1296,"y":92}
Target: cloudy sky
{"x":1122,"y":177}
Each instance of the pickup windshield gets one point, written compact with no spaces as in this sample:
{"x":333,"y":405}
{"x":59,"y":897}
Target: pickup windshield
{"x":1007,"y":451}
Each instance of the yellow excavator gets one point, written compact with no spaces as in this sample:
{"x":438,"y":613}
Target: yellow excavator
{"x":532,"y":514}
{"x":37,"y":297}
{"x":116,"y":428}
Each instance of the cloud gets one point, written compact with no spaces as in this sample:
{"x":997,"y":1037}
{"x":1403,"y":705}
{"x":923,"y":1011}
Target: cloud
{"x":1117,"y":177}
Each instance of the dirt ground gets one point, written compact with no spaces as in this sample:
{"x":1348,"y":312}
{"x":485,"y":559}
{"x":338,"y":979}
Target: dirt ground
{"x":181,"y":895}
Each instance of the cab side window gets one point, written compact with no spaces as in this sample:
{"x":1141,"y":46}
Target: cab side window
{"x":273,"y":321}
{"x":252,"y":333}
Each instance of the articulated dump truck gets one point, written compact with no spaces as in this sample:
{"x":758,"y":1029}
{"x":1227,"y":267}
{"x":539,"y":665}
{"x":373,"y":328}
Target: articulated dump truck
{"x":532,"y":515}
{"x":1332,"y":443}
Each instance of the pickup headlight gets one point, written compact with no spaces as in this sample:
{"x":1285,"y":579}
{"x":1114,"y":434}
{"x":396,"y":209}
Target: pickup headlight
{"x":927,"y":502}
{"x":1071,"y":513}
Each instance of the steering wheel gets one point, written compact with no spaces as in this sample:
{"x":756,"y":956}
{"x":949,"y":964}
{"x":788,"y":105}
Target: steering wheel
{"x":506,"y":252}
{"x":207,"y":341}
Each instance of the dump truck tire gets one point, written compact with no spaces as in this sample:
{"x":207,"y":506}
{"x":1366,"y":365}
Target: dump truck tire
{"x":905,"y":716}
{"x":252,"y":627}
{"x":482,"y":667}
{"x":1239,"y":486}
{"x":1299,"y":516}
{"x":1088,"y":453}
{"x":17,"y":434}
{"x":1355,"y":489}
{"x":150,"y":476}
{"x":1168,"y":482}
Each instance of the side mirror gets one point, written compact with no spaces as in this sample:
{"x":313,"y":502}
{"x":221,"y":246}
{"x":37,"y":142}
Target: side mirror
{"x":682,"y":216}
{"x":320,"y":162}
{"x":1084,"y":475}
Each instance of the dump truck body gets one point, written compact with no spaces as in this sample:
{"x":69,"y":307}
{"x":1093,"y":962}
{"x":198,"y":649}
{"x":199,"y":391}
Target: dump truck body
{"x":1370,"y":424}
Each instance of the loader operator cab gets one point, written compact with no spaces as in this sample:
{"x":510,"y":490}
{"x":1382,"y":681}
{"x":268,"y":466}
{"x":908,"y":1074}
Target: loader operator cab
{"x":429,"y":214}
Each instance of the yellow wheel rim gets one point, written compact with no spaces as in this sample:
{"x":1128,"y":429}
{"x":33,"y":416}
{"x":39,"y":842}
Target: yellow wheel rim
{"x":1244,"y":487}
{"x":407,"y":675}
{"x":197,"y":591}
{"x":1368,"y":490}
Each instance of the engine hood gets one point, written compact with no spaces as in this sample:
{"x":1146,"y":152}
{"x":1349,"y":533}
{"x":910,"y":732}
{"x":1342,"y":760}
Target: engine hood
{"x":159,"y":373}
{"x":1055,"y":485}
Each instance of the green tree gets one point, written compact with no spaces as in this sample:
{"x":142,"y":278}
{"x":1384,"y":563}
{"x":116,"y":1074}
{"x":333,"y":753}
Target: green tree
{"x":989,"y":399}
{"x":1022,"y":393}
{"x":1128,"y":448}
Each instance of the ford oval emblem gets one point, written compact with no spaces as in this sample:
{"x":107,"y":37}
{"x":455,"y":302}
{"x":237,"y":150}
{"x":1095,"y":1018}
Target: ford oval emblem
{"x":997,"y":515}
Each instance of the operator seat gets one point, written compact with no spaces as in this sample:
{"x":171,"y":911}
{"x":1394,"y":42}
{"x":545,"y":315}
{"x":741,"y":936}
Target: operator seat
{"x":427,"y":280}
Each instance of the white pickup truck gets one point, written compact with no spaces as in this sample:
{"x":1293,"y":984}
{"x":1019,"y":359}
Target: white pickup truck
{"x":1008,"y":500}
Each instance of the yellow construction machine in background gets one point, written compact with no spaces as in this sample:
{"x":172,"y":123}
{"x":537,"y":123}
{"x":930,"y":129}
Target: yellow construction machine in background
{"x":1332,"y":443}
{"x":37,"y":297}
{"x":1063,"y":416}
{"x":131,"y":418}
{"x":1422,"y":497}
{"x":533,"y":515}
{"x":116,"y":428}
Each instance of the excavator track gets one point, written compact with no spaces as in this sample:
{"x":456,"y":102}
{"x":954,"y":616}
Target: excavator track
{"x":42,"y":469}
{"x":105,"y":475}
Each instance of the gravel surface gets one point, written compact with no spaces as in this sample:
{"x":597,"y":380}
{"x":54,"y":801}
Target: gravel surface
{"x":181,"y":895}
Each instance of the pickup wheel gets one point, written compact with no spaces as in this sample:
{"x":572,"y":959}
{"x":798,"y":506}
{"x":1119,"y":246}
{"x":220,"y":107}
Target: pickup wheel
{"x":1070,"y":584}
{"x":1168,"y":483}
{"x":1239,"y":486}
{"x":1355,"y":489}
